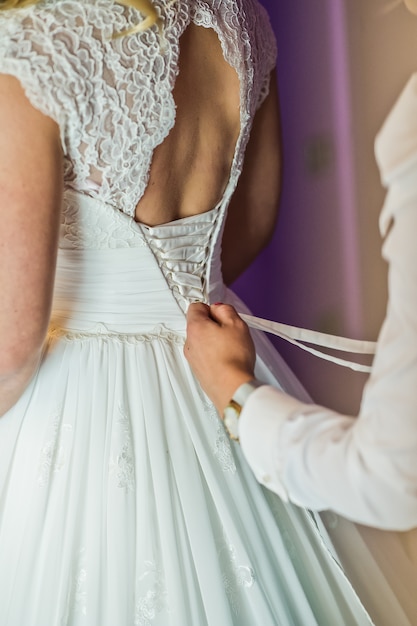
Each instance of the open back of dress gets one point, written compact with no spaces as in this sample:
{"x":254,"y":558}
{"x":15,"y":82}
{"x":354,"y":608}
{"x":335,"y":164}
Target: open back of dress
{"x":122,"y":501}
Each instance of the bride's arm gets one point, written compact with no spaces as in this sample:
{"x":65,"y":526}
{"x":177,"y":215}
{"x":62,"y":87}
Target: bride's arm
{"x":30,"y":199}
{"x":254,"y":207}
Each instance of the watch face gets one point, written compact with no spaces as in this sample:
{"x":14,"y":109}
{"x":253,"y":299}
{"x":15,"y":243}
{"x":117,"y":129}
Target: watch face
{"x":231,"y":419}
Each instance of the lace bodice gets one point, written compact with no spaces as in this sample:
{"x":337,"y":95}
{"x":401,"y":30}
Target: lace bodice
{"x":112,"y":98}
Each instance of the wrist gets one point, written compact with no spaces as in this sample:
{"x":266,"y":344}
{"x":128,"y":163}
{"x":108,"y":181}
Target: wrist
{"x":233,"y":409}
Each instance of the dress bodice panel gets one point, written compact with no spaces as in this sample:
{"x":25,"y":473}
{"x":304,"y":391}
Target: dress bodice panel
{"x":112,"y":97}
{"x":105,"y":252}
{"x":181,"y":249}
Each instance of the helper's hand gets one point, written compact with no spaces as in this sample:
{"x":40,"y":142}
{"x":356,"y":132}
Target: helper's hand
{"x":219,"y":349}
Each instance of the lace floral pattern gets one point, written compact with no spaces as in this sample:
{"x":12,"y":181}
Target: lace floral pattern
{"x":77,"y":597}
{"x":151,"y":596}
{"x":236,"y":577}
{"x":222,"y":447}
{"x":53,"y":453}
{"x":122,"y":465}
{"x":112,"y":98}
{"x":90,"y":224}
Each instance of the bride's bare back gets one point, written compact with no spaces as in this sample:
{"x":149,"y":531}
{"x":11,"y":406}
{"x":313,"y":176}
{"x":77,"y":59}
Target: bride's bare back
{"x":190,"y":169}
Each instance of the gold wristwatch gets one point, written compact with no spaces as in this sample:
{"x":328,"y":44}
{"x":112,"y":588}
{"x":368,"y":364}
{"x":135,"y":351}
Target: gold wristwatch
{"x":232,"y":411}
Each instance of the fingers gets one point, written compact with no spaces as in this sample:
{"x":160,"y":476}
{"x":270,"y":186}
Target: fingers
{"x":198,"y":311}
{"x":224,"y":314}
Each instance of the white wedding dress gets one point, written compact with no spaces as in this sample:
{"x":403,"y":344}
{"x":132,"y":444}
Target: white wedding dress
{"x":122,"y":501}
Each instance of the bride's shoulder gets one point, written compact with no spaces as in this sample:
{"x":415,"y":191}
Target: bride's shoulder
{"x":53,"y":30}
{"x":48,"y":18}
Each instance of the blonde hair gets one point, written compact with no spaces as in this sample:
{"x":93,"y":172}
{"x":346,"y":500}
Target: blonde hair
{"x":144,"y":6}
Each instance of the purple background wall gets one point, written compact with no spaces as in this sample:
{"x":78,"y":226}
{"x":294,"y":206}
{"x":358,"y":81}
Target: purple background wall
{"x":308,"y":276}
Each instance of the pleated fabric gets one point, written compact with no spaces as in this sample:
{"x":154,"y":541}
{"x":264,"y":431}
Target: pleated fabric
{"x":124,"y":503}
{"x":122,"y":500}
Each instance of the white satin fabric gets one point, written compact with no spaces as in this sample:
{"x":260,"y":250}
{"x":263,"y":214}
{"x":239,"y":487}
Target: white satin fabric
{"x":302,"y":336}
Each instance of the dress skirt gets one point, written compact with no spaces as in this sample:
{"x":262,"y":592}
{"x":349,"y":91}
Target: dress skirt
{"x":122,"y":500}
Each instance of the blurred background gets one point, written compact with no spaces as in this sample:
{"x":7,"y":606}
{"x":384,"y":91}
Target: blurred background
{"x":341,"y":66}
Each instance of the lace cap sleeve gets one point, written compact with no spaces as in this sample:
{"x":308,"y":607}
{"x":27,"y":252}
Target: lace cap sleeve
{"x":32,"y":50}
{"x":266,"y":50}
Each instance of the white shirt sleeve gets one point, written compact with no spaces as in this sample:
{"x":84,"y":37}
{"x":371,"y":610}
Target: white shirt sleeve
{"x":365,"y":467}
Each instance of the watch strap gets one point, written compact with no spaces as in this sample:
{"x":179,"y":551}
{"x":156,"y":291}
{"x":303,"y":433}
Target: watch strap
{"x":233,"y":409}
{"x":243,"y":392}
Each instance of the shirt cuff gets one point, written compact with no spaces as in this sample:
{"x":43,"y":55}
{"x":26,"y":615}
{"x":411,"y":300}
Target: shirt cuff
{"x":260,"y":423}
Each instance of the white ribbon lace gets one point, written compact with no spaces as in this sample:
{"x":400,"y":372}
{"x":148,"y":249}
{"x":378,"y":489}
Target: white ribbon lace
{"x":300,"y":336}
